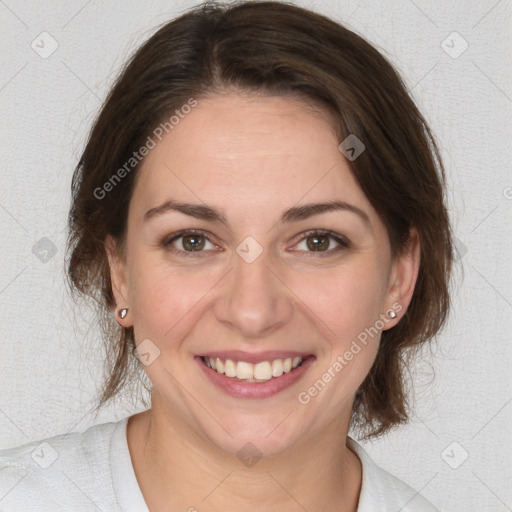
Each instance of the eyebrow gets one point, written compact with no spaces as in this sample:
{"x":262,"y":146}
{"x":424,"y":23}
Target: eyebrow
{"x":294,"y":214}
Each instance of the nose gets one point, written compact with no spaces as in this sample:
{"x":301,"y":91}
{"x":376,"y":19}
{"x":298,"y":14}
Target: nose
{"x":254,"y":300}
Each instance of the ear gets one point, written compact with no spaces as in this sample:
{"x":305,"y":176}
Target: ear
{"x":118,"y":279}
{"x":403,"y":277}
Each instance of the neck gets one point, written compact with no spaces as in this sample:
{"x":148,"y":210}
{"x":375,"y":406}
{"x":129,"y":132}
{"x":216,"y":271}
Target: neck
{"x":179,"y":470}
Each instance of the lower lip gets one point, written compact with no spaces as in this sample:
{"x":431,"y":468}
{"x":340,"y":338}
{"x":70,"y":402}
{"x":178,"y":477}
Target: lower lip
{"x":242,"y":389}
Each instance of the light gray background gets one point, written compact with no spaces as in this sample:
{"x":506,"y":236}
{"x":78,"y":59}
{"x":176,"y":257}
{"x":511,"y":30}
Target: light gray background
{"x":50,"y":365}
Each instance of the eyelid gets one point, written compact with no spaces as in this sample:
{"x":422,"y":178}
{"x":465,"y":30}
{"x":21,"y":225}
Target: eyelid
{"x":339,"y":239}
{"x":342,"y":241}
{"x":167,"y":241}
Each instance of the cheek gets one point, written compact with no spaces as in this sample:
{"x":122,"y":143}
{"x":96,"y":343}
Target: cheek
{"x":166,"y":298}
{"x":347,"y":299}
{"x":347,"y":305}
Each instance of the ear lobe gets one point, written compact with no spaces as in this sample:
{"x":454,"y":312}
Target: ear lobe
{"x":404,"y":276}
{"x":118,"y":278}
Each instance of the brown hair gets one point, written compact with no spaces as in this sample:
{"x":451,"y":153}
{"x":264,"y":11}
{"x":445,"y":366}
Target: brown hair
{"x":272,"y":48}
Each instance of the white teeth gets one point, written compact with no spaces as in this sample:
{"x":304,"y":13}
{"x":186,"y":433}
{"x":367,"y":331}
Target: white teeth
{"x":263,"y":371}
{"x":229,"y":368}
{"x":244,"y":370}
{"x":277,"y":368}
{"x":259,"y":372}
{"x":219,"y":365}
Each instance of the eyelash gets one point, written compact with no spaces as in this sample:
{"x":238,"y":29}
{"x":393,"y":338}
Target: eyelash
{"x":342,"y":241}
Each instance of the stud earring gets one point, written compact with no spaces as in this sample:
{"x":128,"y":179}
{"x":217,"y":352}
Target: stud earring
{"x":122,"y":312}
{"x":392,"y":314}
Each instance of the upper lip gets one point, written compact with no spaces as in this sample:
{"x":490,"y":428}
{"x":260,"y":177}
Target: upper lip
{"x":254,"y":357}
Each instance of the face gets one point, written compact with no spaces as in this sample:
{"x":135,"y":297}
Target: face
{"x":226,"y":257}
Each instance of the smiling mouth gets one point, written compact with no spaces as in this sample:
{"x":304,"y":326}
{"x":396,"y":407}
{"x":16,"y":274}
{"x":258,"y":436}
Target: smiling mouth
{"x":263,"y":371}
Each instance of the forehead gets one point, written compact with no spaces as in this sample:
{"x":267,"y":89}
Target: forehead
{"x":248,"y":150}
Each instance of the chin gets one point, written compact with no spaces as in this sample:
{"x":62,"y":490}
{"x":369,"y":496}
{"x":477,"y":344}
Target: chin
{"x":255,"y":436}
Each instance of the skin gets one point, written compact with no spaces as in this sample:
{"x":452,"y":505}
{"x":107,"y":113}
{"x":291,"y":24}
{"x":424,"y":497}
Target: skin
{"x":252,"y":157}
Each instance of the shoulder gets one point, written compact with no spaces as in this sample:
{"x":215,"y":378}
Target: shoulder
{"x":54,"y":473}
{"x":385,"y":492}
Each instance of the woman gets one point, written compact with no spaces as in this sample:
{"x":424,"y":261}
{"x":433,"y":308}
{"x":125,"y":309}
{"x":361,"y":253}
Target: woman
{"x":260,"y":208}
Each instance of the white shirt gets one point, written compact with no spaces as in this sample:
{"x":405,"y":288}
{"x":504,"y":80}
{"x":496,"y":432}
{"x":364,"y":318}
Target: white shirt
{"x":93,"y":471}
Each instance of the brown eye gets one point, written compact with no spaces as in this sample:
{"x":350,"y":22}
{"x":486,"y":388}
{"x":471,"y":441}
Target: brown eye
{"x":186,"y":243}
{"x":318,"y":242}
{"x":322,"y":242}
{"x":193,"y":242}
